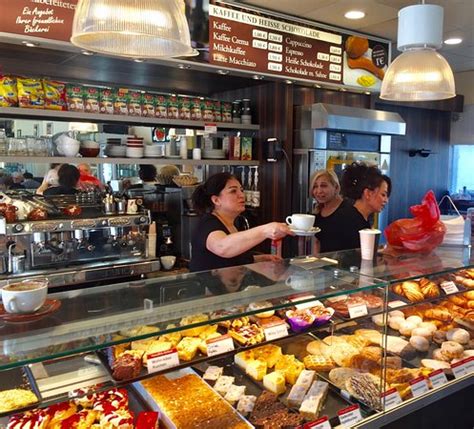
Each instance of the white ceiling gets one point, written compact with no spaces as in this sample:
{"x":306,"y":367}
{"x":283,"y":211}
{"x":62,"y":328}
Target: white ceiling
{"x":381,"y":20}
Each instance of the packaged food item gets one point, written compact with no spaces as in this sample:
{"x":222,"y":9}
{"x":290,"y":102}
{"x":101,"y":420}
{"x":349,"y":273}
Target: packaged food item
{"x":246,"y":149}
{"x":226,"y":111}
{"x":207,"y":108}
{"x":106,"y":101}
{"x":161,"y":106}
{"x":135,"y":103}
{"x":8,"y":91}
{"x":184,"y":107}
{"x":196,"y":113}
{"x":121,"y":100}
{"x":217,"y":111}
{"x":75,"y":97}
{"x":148,"y":105}
{"x":54,"y":95}
{"x":91,"y":99}
{"x":30,"y":93}
{"x":173,"y":109}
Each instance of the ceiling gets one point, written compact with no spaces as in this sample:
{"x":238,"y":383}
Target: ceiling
{"x":381,"y":20}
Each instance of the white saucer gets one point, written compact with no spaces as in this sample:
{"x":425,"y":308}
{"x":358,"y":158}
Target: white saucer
{"x":305,"y":233}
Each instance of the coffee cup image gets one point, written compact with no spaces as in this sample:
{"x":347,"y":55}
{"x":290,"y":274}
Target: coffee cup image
{"x":24,"y":297}
{"x":301,"y":221}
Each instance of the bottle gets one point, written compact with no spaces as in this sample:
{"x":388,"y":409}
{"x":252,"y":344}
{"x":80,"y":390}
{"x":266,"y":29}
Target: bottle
{"x":255,"y":193}
{"x":247,"y":187}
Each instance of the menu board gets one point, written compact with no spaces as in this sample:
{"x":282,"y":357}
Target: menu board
{"x":48,"y":19}
{"x":242,"y":39}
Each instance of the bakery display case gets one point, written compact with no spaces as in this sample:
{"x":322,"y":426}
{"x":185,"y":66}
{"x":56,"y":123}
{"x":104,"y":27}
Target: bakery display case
{"x":305,"y":341}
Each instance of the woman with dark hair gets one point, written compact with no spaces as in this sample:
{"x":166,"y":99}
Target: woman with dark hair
{"x":217,"y":243}
{"x":68,"y":176}
{"x":369,"y":191}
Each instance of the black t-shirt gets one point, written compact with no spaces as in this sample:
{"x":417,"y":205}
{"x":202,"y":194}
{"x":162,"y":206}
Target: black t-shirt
{"x":340,"y":230}
{"x":59,"y":190}
{"x":204,"y":260}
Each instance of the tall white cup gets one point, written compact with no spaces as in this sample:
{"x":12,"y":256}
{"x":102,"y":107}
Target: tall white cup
{"x":369,"y":241}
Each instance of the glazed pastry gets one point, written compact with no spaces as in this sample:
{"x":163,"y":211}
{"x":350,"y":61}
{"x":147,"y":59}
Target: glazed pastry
{"x":412,"y":291}
{"x":398,"y":289}
{"x":458,"y":335}
{"x":429,"y":289}
{"x":36,"y":419}
{"x":459,"y":300}
{"x":420,"y":343}
{"x":451,"y":350}
{"x":60,"y":412}
{"x":122,"y":419}
{"x":81,"y":420}
{"x":468,"y":295}
{"x":439,"y":314}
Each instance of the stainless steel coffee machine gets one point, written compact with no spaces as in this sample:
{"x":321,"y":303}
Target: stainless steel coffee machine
{"x":66,"y":241}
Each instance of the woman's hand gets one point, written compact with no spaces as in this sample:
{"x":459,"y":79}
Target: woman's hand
{"x":267,"y":258}
{"x":276,"y":230}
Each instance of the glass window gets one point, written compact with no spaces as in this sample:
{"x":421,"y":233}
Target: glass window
{"x":463,"y":161}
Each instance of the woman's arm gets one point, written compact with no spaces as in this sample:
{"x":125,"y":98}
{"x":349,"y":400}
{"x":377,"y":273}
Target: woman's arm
{"x":231,"y":245}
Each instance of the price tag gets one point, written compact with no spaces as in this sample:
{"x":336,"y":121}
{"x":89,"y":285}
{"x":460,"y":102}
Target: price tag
{"x":337,"y":298}
{"x":275,"y":331}
{"x":219,"y":345}
{"x":463,"y":367}
{"x":349,"y":416}
{"x":210,"y":128}
{"x":470,"y":364}
{"x":419,"y":386}
{"x":357,"y":310}
{"x":304,"y":305}
{"x":391,"y":398}
{"x":322,"y":423}
{"x":437,"y":378}
{"x":449,"y":287}
{"x":396,"y":304}
{"x":162,"y":360}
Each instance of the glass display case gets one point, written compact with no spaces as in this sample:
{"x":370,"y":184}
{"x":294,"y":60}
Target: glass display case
{"x":302,"y":340}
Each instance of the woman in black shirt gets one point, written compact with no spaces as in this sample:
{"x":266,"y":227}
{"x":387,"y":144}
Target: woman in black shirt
{"x":216,"y":242}
{"x":68,"y":177}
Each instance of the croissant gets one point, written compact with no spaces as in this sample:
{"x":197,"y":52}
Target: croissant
{"x":465,"y":282}
{"x":439,"y":314}
{"x":398,"y":289}
{"x":412,"y":291}
{"x":469,"y":295}
{"x":461,"y":301}
{"x":430,"y":290}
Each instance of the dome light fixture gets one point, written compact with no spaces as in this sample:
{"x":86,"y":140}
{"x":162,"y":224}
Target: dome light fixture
{"x":134,"y":29}
{"x":354,"y":14}
{"x":419,"y":73}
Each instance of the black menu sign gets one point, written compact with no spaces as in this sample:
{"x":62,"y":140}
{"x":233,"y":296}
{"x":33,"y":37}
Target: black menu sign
{"x":245,"y":39}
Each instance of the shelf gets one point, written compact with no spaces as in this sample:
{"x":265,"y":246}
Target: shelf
{"x":16,"y":112}
{"x":150,"y":161}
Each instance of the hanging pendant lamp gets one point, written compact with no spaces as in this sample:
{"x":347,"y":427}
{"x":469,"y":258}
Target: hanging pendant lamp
{"x":132,"y":28}
{"x":419,"y":73}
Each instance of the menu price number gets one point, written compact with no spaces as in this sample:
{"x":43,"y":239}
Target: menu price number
{"x":463,"y":367}
{"x":357,"y":310}
{"x":273,"y":332}
{"x":219,"y":345}
{"x":449,"y":287}
{"x":321,"y":423}
{"x":437,"y":378}
{"x":162,"y":360}
{"x":396,"y":304}
{"x":349,"y":416}
{"x":419,"y":386}
{"x":391,"y":398}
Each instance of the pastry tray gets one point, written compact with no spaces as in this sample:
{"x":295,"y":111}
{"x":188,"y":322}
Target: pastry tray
{"x":19,"y":378}
{"x":297,"y":345}
{"x":164,"y":419}
{"x":370,"y":311}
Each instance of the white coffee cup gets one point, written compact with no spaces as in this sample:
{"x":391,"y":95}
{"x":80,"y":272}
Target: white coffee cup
{"x":167,"y":262}
{"x":24,"y":297}
{"x":369,"y":241}
{"x":301,"y":221}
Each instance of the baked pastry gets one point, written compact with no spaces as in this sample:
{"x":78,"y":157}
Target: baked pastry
{"x":402,"y":375}
{"x":394,"y":362}
{"x":275,"y":382}
{"x":437,"y":355}
{"x":189,"y":320}
{"x":213,"y":373}
{"x":247,"y":335}
{"x":187,"y":348}
{"x":428,"y":325}
{"x":379,"y":319}
{"x":339,"y":376}
{"x":439,"y":336}
{"x":138,"y":331}
{"x":234,"y":394}
{"x":256,"y":369}
{"x":203,"y":343}
{"x":223,"y":384}
{"x":127,"y":366}
{"x":365,"y":387}
{"x":241,"y":359}
{"x":269,"y":353}
{"x":60,"y":412}
{"x":255,"y":306}
{"x":395,"y":322}
{"x":420,"y":343}
{"x":396,"y":313}
{"x":246,"y":404}
{"x":314,"y":400}
{"x":318,"y":347}
{"x":290,"y":366}
{"x":342,"y":353}
{"x":397,"y":288}
{"x":371,"y":335}
{"x":412,"y":291}
{"x":451,"y":350}
{"x":415,"y":319}
{"x":423,"y":332}
{"x":439,"y":314}
{"x":358,"y":341}
{"x":458,"y":335}
{"x":364,"y":365}
{"x":372,"y":353}
{"x":14,"y":399}
{"x":435,"y":364}
{"x":82,"y":420}
{"x":429,"y":289}
{"x":36,"y":419}
{"x":156,"y":347}
{"x":305,"y":379}
{"x":318,"y":363}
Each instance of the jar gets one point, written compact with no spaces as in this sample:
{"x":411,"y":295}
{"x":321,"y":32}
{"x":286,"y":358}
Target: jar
{"x":236,"y":112}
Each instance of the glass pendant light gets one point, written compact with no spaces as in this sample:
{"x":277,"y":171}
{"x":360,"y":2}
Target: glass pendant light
{"x":419,"y":73}
{"x":132,"y":28}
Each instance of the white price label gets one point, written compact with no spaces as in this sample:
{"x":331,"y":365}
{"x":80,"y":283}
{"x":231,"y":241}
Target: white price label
{"x":322,"y":423}
{"x":210,"y":128}
{"x":437,"y":378}
{"x":357,"y":310}
{"x":396,"y":304}
{"x":419,"y":386}
{"x":276,"y":331}
{"x":391,"y":398}
{"x":463,"y":367}
{"x":219,"y":345}
{"x":305,"y":305}
{"x":337,"y":298}
{"x":162,"y":360}
{"x":449,"y":287}
{"x":350,"y":416}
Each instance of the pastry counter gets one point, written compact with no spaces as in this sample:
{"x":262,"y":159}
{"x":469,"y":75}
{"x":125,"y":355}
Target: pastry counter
{"x":264,"y":345}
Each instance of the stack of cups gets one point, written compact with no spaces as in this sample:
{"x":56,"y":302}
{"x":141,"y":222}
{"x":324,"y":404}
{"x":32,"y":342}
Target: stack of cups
{"x":135,"y":147}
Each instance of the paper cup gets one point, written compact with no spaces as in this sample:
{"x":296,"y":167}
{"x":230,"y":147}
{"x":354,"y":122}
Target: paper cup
{"x":369,"y":241}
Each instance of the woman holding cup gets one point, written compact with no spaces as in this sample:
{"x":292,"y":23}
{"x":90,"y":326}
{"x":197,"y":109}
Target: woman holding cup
{"x":217,"y":241}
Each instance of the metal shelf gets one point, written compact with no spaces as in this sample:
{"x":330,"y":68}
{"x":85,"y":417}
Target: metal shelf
{"x":150,"y":161}
{"x":16,"y":112}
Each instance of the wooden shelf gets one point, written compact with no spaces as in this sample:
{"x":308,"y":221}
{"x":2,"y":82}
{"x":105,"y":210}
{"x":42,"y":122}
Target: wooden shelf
{"x":16,"y":112}
{"x":151,"y":161}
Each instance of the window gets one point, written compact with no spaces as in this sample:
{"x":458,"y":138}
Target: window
{"x":462,"y":165}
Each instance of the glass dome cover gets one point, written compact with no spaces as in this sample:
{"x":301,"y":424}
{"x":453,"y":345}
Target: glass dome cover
{"x":132,"y":28}
{"x":418,"y":75}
